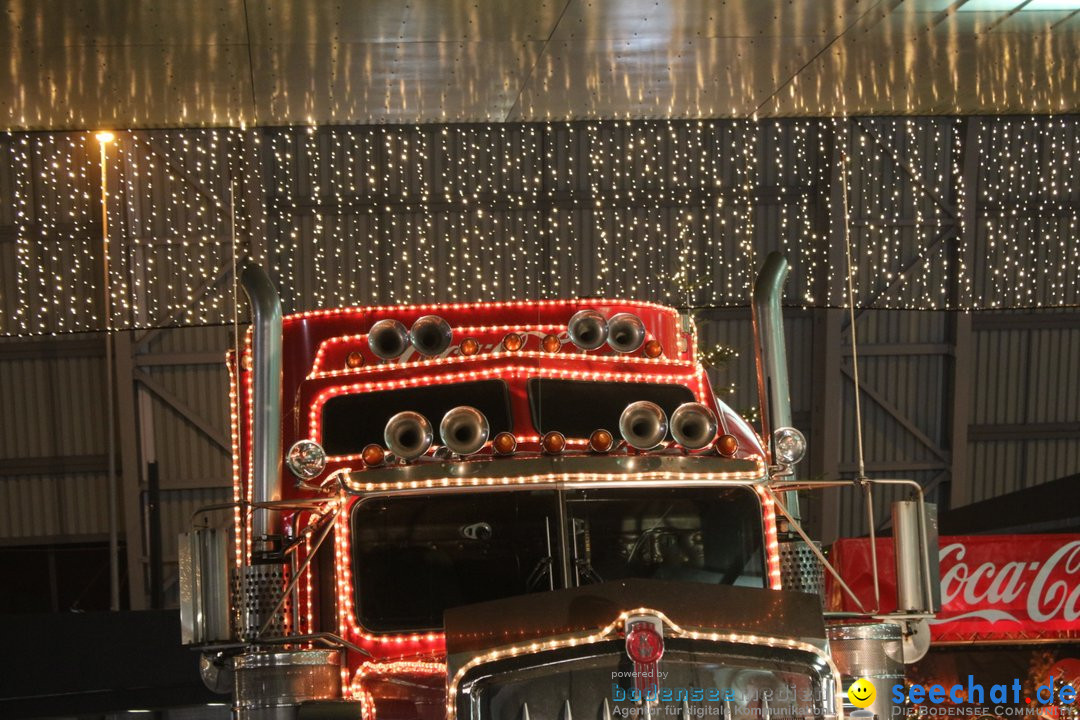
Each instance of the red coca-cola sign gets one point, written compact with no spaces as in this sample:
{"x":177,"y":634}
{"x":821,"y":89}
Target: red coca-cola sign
{"x":993,"y":587}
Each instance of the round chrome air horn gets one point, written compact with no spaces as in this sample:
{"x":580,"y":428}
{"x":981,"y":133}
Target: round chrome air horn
{"x":464,"y":430}
{"x":431,"y":335}
{"x":588,"y":329}
{"x":408,"y":435}
{"x":626,"y":332}
{"x":643,"y":425}
{"x":693,"y":425}
{"x":388,"y":339}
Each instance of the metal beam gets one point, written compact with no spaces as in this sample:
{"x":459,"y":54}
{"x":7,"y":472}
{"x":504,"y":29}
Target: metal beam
{"x":1024,"y":431}
{"x":897,"y":415}
{"x":901,"y":275}
{"x":898,"y":350}
{"x":223,"y":272}
{"x":131,"y":471}
{"x":50,"y":348}
{"x":895,"y":466}
{"x":902,"y":162}
{"x":827,"y":415}
{"x":827,"y":397}
{"x":53,"y":465}
{"x":1028,"y":320}
{"x":176,"y":359}
{"x":184,"y":410}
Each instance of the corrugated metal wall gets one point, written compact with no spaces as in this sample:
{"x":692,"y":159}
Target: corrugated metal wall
{"x":679,"y":212}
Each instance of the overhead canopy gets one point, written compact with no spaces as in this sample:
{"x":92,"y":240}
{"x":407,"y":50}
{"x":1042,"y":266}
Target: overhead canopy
{"x":115,"y":63}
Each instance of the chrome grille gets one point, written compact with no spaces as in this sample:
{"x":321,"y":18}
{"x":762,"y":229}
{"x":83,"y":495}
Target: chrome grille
{"x":704,"y":682}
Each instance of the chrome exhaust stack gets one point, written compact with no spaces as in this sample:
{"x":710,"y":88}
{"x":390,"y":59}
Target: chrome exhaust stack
{"x":693,"y":425}
{"x":408,"y":435}
{"x":643,"y":425}
{"x":774,"y":395}
{"x":265,"y":405}
{"x":388,"y":339}
{"x":464,"y":430}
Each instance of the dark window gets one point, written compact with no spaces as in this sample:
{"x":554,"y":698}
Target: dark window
{"x":414,"y":557}
{"x":706,"y":535}
{"x":576,"y":408}
{"x":349,"y":422}
{"x":57,"y":578}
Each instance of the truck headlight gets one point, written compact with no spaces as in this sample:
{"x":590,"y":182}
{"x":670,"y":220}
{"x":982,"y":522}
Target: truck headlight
{"x":789,"y":445}
{"x":306,"y":459}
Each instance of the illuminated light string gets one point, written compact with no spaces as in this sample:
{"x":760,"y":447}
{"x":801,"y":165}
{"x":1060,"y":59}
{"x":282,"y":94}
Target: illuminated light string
{"x":502,"y":354}
{"x":610,"y":632}
{"x":565,"y":479}
{"x":395,"y":667}
{"x":485,"y":212}
{"x":234,"y":438}
{"x":421,"y":643}
{"x":485,"y":305}
{"x":350,"y":341}
{"x":772,"y":543}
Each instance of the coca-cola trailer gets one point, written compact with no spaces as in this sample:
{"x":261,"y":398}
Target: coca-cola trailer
{"x":523,"y":511}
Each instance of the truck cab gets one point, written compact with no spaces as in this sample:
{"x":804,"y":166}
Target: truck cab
{"x":513,"y":510}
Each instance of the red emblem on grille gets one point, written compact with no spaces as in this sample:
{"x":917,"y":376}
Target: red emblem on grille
{"x":645,"y":646}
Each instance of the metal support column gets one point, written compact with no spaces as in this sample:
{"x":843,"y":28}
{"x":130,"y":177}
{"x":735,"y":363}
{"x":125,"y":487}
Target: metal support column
{"x":130,"y":468}
{"x":960,"y":490}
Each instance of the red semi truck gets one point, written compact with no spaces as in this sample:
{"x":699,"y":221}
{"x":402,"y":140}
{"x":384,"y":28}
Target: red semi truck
{"x":519,"y":511}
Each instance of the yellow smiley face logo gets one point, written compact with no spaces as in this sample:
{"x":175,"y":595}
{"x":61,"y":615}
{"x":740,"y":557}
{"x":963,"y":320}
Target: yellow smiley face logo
{"x":862,"y":693}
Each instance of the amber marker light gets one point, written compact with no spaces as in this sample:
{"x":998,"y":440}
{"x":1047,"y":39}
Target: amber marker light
{"x":373,"y":455}
{"x":554,"y":442}
{"x":727,"y":445}
{"x":469,"y":347}
{"x":551,"y":344}
{"x":653,"y":349}
{"x":354,"y":360}
{"x":601,"y":441}
{"x":504,"y":443}
{"x":512,"y":342}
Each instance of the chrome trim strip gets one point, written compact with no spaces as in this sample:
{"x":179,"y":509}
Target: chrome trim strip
{"x":558,"y":471}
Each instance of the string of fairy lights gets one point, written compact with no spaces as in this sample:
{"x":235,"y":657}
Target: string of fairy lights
{"x":679,"y":212}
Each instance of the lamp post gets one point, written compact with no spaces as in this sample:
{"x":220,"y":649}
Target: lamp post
{"x":104,"y":138}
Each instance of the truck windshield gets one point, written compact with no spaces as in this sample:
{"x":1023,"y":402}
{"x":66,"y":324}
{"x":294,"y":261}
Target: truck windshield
{"x":416,"y":556}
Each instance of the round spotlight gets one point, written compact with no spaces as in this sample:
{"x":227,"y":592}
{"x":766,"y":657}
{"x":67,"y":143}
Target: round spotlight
{"x":653,"y":349}
{"x":408,"y":435}
{"x":354,"y":360}
{"x":601,"y":441}
{"x":504,"y":443}
{"x":464,"y":430}
{"x":789,"y":445}
{"x":372,"y":455}
{"x":554,"y":442}
{"x":388,"y":339}
{"x":643,"y":425}
{"x":626,"y":332}
{"x":431,"y":335}
{"x":588,"y":329}
{"x":727,"y":445}
{"x":551,"y":344}
{"x":469,"y":347}
{"x":306,"y":459}
{"x":512,"y":342}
